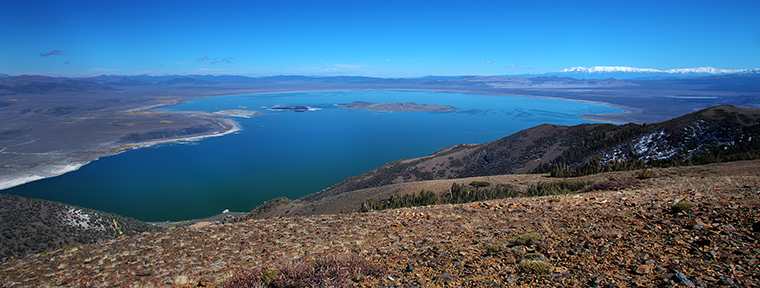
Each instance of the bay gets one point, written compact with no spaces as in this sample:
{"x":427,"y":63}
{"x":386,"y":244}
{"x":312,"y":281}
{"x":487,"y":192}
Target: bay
{"x":291,"y":154}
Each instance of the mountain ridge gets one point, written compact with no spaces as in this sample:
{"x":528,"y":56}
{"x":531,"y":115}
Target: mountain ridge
{"x":635,"y":73}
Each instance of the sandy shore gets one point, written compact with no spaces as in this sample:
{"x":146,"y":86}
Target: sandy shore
{"x":43,"y":171}
{"x":37,"y":173}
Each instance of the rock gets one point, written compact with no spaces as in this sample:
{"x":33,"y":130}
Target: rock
{"x":181,"y":280}
{"x":703,"y":242}
{"x":683,"y":280}
{"x":519,"y":249}
{"x":644,"y":269}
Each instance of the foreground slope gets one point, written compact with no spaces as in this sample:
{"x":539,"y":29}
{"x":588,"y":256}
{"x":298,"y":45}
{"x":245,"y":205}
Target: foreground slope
{"x":630,"y":237}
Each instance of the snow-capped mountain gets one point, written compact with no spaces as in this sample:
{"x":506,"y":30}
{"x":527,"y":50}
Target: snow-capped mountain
{"x":622,"y":72}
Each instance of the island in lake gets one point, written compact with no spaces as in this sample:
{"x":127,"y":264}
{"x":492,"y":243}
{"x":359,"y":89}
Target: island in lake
{"x":296,"y":108}
{"x":239,"y":113}
{"x":396,"y":107}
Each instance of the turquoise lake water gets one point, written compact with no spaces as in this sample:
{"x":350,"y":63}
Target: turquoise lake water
{"x":290,"y":154}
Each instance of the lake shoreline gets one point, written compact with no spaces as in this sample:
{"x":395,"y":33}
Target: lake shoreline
{"x":60,"y":168}
{"x":49,"y":170}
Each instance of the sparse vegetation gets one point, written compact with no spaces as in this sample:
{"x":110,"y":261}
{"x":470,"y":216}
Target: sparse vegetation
{"x":32,"y":226}
{"x":557,"y":187}
{"x":612,"y":184}
{"x":326,"y":271}
{"x":466,"y":194}
{"x":456,"y":195}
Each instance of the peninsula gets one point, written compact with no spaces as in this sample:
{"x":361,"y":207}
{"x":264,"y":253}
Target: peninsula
{"x":242,"y":113}
{"x":396,"y":107}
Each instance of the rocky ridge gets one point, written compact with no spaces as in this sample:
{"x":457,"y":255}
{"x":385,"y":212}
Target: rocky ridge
{"x":632,"y":237}
{"x":30,"y":225}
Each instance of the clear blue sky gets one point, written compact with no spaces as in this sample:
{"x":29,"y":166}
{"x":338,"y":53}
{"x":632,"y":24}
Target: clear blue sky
{"x":372,"y":38}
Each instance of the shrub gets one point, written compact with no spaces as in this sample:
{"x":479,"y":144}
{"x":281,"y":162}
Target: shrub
{"x":682,"y":206}
{"x":646,"y":174}
{"x":478,"y":184}
{"x":534,"y":256}
{"x":535,"y":267}
{"x":527,"y":238}
{"x":612,"y":184}
{"x":268,"y":275}
{"x":556,"y":187}
{"x":494,"y":248}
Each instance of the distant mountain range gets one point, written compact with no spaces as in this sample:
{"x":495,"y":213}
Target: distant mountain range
{"x":622,"y":72}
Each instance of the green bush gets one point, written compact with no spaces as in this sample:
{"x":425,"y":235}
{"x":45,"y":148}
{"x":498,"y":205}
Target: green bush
{"x":494,"y":248}
{"x":525,"y":239}
{"x":534,"y":256}
{"x":535,"y":267}
{"x":682,"y":206}
{"x":556,"y":187}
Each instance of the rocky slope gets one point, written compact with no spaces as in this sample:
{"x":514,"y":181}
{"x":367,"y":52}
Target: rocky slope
{"x":29,"y":226}
{"x":632,"y":237}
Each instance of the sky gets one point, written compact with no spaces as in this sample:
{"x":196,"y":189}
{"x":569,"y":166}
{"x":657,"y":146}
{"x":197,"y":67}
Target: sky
{"x":371,"y":38}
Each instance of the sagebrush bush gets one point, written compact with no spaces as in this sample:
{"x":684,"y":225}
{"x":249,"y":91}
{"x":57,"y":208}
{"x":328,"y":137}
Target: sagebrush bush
{"x":494,"y":248}
{"x":525,"y":239}
{"x":681,"y":206}
{"x":535,"y":267}
{"x":534,"y":256}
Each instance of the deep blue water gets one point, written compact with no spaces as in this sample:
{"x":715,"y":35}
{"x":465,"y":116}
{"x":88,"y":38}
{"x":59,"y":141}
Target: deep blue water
{"x":288,"y":153}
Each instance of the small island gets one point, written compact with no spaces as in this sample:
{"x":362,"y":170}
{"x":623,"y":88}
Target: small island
{"x":239,"y":113}
{"x":396,"y":107}
{"x":296,"y":108}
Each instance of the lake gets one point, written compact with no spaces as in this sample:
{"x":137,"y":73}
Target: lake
{"x":288,"y":153}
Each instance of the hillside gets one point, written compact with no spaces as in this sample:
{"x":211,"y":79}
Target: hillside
{"x":715,"y":134}
{"x":29,"y":226}
{"x":629,"y":237}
